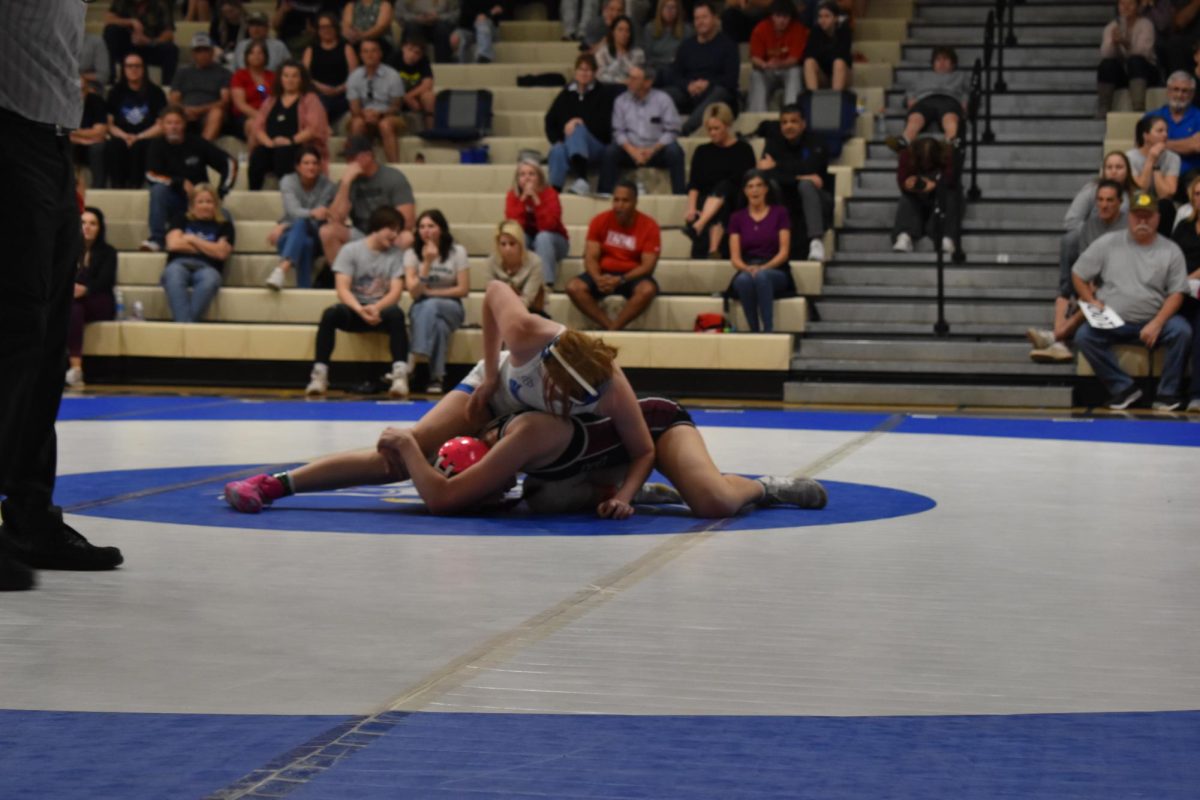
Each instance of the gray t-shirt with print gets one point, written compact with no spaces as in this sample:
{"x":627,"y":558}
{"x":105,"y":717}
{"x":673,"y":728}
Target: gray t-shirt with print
{"x":371,"y":271}
{"x":1135,"y":279}
{"x":387,"y":187}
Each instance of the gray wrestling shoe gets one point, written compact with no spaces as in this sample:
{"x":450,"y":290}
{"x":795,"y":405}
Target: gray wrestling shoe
{"x":801,"y":492}
{"x":657,"y":494}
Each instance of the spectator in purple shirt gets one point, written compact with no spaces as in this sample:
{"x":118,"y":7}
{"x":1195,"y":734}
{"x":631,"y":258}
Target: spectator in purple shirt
{"x":760,"y":236}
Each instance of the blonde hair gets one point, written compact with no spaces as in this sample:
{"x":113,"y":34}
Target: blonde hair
{"x":537,"y":167}
{"x":677,"y":27}
{"x":590,"y":356}
{"x":719,"y":111}
{"x":510,"y":227}
{"x":199,"y":189}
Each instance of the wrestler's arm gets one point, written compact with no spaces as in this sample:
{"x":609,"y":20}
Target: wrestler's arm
{"x":620,"y":404}
{"x":507,"y":323}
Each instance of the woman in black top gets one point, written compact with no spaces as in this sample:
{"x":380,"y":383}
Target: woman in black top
{"x":827,"y":56}
{"x":291,"y":118}
{"x":330,"y":60}
{"x":715,"y":178}
{"x":134,"y":105}
{"x":95,"y":277}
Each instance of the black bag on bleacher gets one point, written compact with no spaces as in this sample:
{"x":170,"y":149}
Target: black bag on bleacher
{"x":832,"y":114}
{"x":556,"y":79}
{"x":461,"y":115}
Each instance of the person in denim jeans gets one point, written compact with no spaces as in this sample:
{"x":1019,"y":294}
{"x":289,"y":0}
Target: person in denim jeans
{"x":437,"y":275}
{"x":198,"y":245}
{"x":176,"y":163}
{"x":579,"y":126}
{"x":307,"y":193}
{"x":477,"y":22}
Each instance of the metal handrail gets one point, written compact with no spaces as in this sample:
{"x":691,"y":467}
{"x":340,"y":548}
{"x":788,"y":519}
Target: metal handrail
{"x":989,"y":45}
{"x":973,"y":103}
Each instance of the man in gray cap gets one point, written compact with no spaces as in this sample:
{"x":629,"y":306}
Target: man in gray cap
{"x":365,"y":186}
{"x":259,"y":30}
{"x":203,"y":90}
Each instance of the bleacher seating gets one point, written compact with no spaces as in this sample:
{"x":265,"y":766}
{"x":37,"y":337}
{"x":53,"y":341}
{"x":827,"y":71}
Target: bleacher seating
{"x":248,"y":321}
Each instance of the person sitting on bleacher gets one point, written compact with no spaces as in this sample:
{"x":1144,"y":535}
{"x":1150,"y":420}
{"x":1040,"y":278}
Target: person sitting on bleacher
{"x":535,"y":206}
{"x":307,"y":194}
{"x":175,"y":163}
{"x":415,"y":71}
{"x":1115,"y":167}
{"x":579,"y":126}
{"x":645,"y":129}
{"x":295,"y":22}
{"x":249,"y":88}
{"x":1183,"y":128}
{"x":827,"y":57}
{"x":477,"y":24}
{"x":1143,"y":279}
{"x":376,"y":92}
{"x":438,"y":276}
{"x":198,"y":245}
{"x":621,"y":253}
{"x":595,"y":29}
{"x":94,"y":65}
{"x":227,"y":29}
{"x":741,"y":17}
{"x":706,"y":68}
{"x":89,"y":138}
{"x":435,"y":21}
{"x":1127,"y":59}
{"x":330,"y":60}
{"x":1153,"y":167}
{"x":776,"y":46}
{"x":575,"y":15}
{"x":940,"y":96}
{"x":928,"y":178}
{"x":715,"y":182}
{"x":365,"y":186}
{"x":134,"y":106}
{"x":202,"y":90}
{"x":662,"y":37}
{"x":797,"y":160}
{"x":145,"y":27}
{"x":258,"y":30}
{"x":1051,"y":345}
{"x":617,"y":54}
{"x":759,"y":242}
{"x":1187,"y":235}
{"x":95,"y":277}
{"x":369,"y":279}
{"x":516,"y":265}
{"x":292,"y":118}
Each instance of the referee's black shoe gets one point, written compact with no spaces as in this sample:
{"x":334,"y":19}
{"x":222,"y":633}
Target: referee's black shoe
{"x":64,"y":548}
{"x":15,"y":576}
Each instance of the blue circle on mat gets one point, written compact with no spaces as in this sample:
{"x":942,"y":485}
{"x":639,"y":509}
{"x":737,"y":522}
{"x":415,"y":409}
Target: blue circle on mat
{"x":193,"y":496}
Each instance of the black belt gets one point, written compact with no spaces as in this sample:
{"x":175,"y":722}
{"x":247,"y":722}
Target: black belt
{"x":48,"y":127}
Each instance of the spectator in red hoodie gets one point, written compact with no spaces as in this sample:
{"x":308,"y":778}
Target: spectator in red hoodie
{"x":776,"y":47}
{"x":533,"y":204}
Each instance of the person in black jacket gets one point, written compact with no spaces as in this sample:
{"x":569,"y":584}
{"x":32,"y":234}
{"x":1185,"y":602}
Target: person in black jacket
{"x":134,"y":106}
{"x":579,"y":126}
{"x":706,"y":68}
{"x":715,"y":181}
{"x":797,"y":161}
{"x":827,"y":57}
{"x":174,"y":164}
{"x":94,"y":280}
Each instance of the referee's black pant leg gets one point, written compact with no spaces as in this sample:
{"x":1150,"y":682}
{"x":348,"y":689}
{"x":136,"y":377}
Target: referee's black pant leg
{"x":40,"y":242}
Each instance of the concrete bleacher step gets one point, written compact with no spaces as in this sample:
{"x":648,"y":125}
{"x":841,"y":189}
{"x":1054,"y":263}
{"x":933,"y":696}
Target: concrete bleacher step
{"x":866,"y":211}
{"x":1056,"y":178}
{"x":919,"y":394}
{"x":1080,"y":78}
{"x":1013,"y":153}
{"x":1026,"y":103}
{"x":909,"y":330}
{"x":930,"y":349}
{"x":1096,"y":14}
{"x":899,"y":277}
{"x":1063,"y":54}
{"x":264,"y":342}
{"x":891,"y":366}
{"x":1027,"y":33}
{"x":928,"y":294}
{"x":1042,"y":129}
{"x":906,"y":312}
{"x":979,"y":245}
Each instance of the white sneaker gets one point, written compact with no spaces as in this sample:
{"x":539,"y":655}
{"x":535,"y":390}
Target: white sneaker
{"x":318,"y":380}
{"x":275,"y":279}
{"x":1194,"y":404}
{"x":399,"y":378}
{"x":149,"y":246}
{"x":1056,"y":353}
{"x":903,"y":243}
{"x":802,"y":492}
{"x":580,"y":186}
{"x":642,"y":190}
{"x":816,"y":250}
{"x":434,"y":387}
{"x":75,"y":377}
{"x":947,"y":245}
{"x":1040,"y":338}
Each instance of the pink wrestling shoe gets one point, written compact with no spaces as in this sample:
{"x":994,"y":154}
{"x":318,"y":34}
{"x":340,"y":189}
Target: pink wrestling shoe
{"x":249,"y":496}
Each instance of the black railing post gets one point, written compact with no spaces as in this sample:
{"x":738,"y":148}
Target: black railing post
{"x":988,"y":47}
{"x":1011,"y":39}
{"x":973,"y":115}
{"x":998,"y":47}
{"x":941,"y":327}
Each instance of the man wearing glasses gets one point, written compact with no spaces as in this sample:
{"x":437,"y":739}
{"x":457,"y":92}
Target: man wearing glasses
{"x":1183,"y":127}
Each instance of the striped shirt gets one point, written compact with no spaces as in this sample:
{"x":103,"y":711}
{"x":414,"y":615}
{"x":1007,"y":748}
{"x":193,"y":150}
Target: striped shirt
{"x":40,"y":42}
